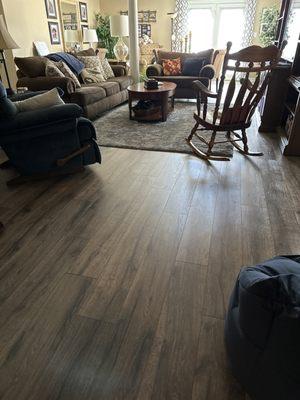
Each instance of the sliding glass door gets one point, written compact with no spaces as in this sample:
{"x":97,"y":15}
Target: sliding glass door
{"x":213,"y":24}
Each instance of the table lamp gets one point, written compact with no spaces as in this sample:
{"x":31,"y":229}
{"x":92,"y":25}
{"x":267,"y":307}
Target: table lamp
{"x":72,"y":37}
{"x":119,"y":28}
{"x":90,"y":36}
{"x":6,"y":43}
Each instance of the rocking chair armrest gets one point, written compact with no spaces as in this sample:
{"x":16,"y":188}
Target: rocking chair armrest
{"x":199,"y":87}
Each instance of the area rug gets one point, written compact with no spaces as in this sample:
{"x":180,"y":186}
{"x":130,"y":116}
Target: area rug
{"x":115,"y":129}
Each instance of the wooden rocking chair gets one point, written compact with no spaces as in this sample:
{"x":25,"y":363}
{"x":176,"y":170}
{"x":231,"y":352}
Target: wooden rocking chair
{"x":250,"y":68}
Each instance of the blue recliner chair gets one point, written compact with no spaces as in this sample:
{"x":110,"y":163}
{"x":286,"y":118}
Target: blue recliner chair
{"x":262,"y":330}
{"x":47,"y":142}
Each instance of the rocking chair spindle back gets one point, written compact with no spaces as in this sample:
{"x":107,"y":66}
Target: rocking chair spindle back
{"x":249,"y":72}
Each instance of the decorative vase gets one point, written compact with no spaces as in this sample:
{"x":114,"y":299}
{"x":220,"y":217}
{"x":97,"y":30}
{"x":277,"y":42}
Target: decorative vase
{"x":121,"y":50}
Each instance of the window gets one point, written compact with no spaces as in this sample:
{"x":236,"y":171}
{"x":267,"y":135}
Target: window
{"x":215,"y":23}
{"x":292,"y":31}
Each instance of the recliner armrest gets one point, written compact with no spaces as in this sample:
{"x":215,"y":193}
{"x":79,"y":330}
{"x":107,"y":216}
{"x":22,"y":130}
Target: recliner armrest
{"x":119,"y":70}
{"x":47,"y":83}
{"x":154,"y":70}
{"x":208,"y":71}
{"x":31,"y":119}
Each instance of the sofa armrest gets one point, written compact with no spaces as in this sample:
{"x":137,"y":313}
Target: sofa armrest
{"x":208,"y":71}
{"x":119,"y":70}
{"x":154,"y":70}
{"x":47,"y":83}
{"x":27,"y":121}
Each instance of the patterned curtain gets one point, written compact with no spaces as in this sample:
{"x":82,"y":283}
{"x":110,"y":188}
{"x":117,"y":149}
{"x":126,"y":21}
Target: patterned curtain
{"x":250,"y":11}
{"x":180,"y":27}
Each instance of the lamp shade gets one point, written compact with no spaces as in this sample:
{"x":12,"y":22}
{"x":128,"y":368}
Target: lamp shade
{"x":6,"y":41}
{"x":90,"y":35}
{"x":119,"y":25}
{"x":71,"y":36}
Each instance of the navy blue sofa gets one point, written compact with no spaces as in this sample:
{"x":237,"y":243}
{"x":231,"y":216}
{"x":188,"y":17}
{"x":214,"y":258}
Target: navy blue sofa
{"x":52,"y":141}
{"x":262,"y":330}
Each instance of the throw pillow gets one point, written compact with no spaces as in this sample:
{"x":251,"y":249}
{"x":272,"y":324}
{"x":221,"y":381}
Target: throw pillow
{"x":8,"y":109}
{"x":68,"y":73}
{"x":172,"y":67}
{"x":53,"y":71}
{"x":108,"y":72}
{"x":89,"y":75}
{"x":40,"y":101}
{"x":192,"y":66}
{"x":92,"y":62}
{"x":31,"y":66}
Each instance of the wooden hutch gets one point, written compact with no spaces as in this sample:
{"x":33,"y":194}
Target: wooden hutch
{"x":280,"y":107}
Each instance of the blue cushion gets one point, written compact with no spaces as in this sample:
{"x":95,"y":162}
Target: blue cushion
{"x":7,"y":107}
{"x":192,"y":66}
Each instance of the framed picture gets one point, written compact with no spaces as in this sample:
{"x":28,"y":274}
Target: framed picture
{"x":145,"y":16}
{"x":152,"y":16}
{"x":145,"y":30}
{"x":54,"y":32}
{"x":83,"y":27}
{"x":51,"y":9}
{"x":83,"y":12}
{"x":140,"y":16}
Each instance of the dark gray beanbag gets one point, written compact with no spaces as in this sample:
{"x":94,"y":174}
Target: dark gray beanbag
{"x":262,"y":330}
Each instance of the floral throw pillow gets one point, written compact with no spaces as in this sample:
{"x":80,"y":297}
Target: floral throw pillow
{"x":53,"y":71}
{"x":92,"y":62}
{"x":89,"y":75}
{"x":68,"y":73}
{"x":172,"y":67}
{"x":108,"y":72}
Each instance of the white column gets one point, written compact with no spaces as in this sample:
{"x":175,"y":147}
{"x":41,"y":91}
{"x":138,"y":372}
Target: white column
{"x":133,"y":40}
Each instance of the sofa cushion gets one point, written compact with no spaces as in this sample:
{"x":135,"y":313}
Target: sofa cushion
{"x":40,"y":101}
{"x":192,"y":66}
{"x":123,"y":81}
{"x":182,"y":82}
{"x":108,"y":72}
{"x":85,"y":53}
{"x":110,"y":87}
{"x":89,"y":75}
{"x":31,"y":66}
{"x":206,"y":56}
{"x":52,"y":70}
{"x":88,"y":95}
{"x":172,"y":67}
{"x":63,"y":67}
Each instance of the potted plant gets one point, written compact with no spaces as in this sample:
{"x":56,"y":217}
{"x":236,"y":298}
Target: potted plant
{"x":268,"y":25}
{"x":103,"y":32}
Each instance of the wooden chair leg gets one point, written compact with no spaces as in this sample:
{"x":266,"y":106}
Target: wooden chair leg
{"x":193,"y":131}
{"x":245,"y":149}
{"x":211,"y":143}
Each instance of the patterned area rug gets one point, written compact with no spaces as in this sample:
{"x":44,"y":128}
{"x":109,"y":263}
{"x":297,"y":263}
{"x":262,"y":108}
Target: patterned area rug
{"x":115,"y":129}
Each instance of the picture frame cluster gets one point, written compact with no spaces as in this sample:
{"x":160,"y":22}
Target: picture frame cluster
{"x":145,"y":18}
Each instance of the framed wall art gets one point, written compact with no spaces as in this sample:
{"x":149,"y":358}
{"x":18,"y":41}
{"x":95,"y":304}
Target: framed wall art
{"x":51,"y":9}
{"x":83,"y":12}
{"x":54,"y":32}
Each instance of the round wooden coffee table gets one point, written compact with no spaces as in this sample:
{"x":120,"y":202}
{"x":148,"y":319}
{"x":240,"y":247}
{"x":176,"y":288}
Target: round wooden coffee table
{"x":161,"y":95}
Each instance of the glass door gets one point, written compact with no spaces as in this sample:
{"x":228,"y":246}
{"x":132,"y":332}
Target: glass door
{"x":201,"y":24}
{"x":214,"y":24}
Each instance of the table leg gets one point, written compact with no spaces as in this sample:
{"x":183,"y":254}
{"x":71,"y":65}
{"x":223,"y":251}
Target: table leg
{"x":164,"y":106}
{"x":130,"y":106}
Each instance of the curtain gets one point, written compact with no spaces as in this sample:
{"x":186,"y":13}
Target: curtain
{"x":180,"y":25}
{"x":250,"y":11}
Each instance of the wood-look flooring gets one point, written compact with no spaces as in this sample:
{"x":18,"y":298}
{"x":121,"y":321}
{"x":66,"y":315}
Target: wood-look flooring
{"x":114,"y":282}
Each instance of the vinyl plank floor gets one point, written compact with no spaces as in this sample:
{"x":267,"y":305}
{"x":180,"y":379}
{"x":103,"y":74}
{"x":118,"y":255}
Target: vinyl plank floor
{"x":114,"y":282}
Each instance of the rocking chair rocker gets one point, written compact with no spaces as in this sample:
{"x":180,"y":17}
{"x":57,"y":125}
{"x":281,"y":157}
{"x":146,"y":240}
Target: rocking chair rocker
{"x":253,"y":66}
